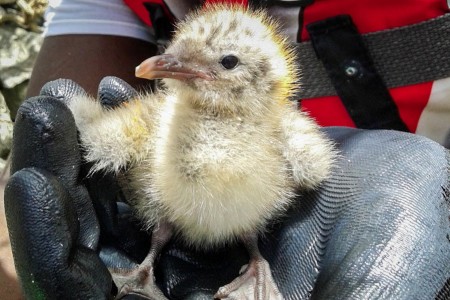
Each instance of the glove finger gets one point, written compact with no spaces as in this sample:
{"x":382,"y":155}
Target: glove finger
{"x":116,"y":259}
{"x":43,"y":227}
{"x":113,"y":92}
{"x":62,"y":89}
{"x":184,"y":273}
{"x":45,"y":137}
{"x":119,"y":227}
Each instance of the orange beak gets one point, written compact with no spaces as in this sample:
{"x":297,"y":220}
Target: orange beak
{"x":168,"y":66}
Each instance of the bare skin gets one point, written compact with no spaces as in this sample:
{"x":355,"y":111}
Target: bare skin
{"x":100,"y":56}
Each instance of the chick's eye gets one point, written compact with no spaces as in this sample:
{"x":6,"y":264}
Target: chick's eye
{"x":229,"y":62}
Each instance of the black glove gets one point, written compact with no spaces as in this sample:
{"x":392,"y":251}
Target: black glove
{"x":378,"y":228}
{"x":53,"y":226}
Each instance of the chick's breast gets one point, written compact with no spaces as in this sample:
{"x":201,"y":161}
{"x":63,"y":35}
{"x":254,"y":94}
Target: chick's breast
{"x":219,"y":178}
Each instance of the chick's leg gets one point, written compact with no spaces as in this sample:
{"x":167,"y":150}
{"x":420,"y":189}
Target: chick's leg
{"x":141,"y":281}
{"x":255,"y":282}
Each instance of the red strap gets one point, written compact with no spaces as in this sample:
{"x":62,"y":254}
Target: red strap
{"x":139,"y":9}
{"x":370,"y":16}
{"x":137,"y":6}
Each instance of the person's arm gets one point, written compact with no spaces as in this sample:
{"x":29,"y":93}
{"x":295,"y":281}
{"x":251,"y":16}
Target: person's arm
{"x":99,"y":56}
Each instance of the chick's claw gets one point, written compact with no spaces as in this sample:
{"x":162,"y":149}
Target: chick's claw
{"x":256,"y":283}
{"x":139,"y":282}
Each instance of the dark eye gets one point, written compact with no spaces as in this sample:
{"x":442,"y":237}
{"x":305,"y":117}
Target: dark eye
{"x":229,"y":62}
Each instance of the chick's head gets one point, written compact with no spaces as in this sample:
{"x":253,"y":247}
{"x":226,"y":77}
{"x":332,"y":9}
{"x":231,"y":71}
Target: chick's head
{"x":227,"y":58}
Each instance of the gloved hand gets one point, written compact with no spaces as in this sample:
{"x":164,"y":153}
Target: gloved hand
{"x":378,"y":228}
{"x":54,"y":228}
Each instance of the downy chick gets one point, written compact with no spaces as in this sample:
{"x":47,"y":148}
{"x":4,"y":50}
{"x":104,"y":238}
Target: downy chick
{"x":219,"y":152}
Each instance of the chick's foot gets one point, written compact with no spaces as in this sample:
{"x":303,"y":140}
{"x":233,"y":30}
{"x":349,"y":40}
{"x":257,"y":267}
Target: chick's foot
{"x":256,"y":282}
{"x":139,"y":281}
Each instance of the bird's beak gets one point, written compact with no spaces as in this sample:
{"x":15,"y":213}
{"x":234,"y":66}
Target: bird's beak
{"x":168,"y":66}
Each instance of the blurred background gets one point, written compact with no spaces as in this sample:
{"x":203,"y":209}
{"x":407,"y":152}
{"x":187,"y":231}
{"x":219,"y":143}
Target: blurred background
{"x":21,"y":24}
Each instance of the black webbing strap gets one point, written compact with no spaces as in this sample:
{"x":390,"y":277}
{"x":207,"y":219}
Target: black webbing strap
{"x":339,"y":46}
{"x":402,"y":56}
{"x":162,"y":26}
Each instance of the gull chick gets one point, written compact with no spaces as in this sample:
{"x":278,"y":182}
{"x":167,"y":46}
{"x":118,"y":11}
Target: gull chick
{"x":219,"y":151}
